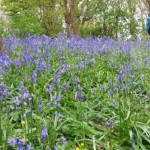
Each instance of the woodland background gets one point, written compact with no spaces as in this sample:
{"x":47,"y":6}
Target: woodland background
{"x":118,"y":19}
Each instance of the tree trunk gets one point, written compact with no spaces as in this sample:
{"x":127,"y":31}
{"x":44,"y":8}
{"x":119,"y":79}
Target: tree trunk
{"x":71,"y":20}
{"x":76,"y":26}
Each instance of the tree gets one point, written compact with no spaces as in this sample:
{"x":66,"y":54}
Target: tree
{"x":50,"y":16}
{"x":98,"y":17}
{"x":69,"y":15}
{"x":132,"y":5}
{"x":34,"y":16}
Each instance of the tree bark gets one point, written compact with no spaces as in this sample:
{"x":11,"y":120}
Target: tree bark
{"x":71,"y":19}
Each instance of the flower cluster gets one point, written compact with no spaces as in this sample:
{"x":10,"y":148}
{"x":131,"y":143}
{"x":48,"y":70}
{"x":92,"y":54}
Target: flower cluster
{"x":19,"y":143}
{"x":3,"y":90}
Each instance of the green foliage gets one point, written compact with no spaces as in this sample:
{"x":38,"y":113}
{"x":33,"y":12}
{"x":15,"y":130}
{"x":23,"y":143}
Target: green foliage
{"x":1,"y":28}
{"x":26,"y":22}
{"x":90,"y":31}
{"x":111,"y":18}
{"x":34,"y":16}
{"x":4,"y":26}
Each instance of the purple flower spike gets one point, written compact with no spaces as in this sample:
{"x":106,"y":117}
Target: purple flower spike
{"x":16,"y":100}
{"x":63,"y":140}
{"x":33,"y":76}
{"x":113,"y":103}
{"x":44,"y":133}
{"x":79,"y":96}
{"x":3,"y":90}
{"x":59,"y":115}
{"x":12,"y":141}
{"x":21,"y":87}
{"x":28,"y":147}
{"x":17,"y":62}
{"x":40,"y":105}
{"x":48,"y":90}
{"x":20,"y":142}
{"x":109,"y":123}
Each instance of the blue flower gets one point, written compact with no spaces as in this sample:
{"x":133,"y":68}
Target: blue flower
{"x":59,"y":115}
{"x":12,"y":141}
{"x":109,"y":123}
{"x":33,"y":76}
{"x":121,"y":75}
{"x":57,"y":82}
{"x":44,"y":133}
{"x":17,"y":62}
{"x":24,"y":92}
{"x":48,"y":90}
{"x":21,"y":87}
{"x":28,"y":147}
{"x":65,"y":86}
{"x":75,"y":80}
{"x":39,"y":105}
{"x":58,"y":98}
{"x":113,"y":103}
{"x":79,"y":96}
{"x":40,"y":64}
{"x":20,"y":143}
{"x":16,"y":100}
{"x":57,"y":75}
{"x":3,"y":90}
{"x":63,"y":140}
{"x":26,"y":113}
{"x":5,"y":61}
